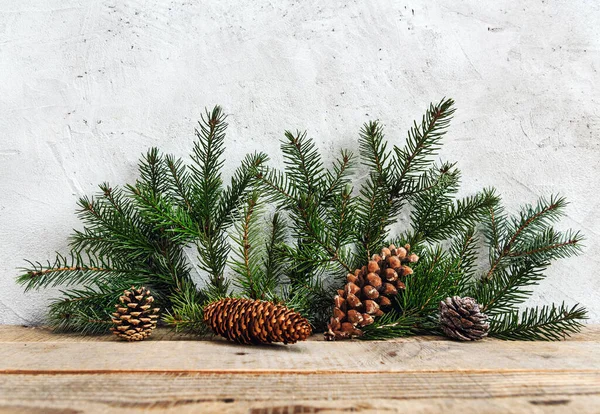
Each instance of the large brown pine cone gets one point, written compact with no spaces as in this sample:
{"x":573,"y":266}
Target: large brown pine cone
{"x":254,"y":321}
{"x":461,"y":318}
{"x":369,"y":292}
{"x":135,"y":317}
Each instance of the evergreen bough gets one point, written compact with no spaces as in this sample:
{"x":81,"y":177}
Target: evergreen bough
{"x":290,"y":236}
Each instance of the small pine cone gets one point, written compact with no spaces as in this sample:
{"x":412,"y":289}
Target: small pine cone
{"x":369,"y":291}
{"x":461,"y":318}
{"x":250,"y":321}
{"x":135,"y":317}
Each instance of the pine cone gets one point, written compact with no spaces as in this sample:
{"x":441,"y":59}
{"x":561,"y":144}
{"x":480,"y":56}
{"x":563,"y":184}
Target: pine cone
{"x":460,"y":318}
{"x":135,"y":317}
{"x":253,"y":321}
{"x":369,"y":291}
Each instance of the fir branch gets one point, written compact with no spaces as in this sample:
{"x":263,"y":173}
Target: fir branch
{"x":435,"y":277}
{"x":463,"y":253}
{"x":342,"y":215}
{"x":208,"y":160}
{"x":166,"y":261}
{"x":187,"y":310}
{"x":276,"y":186}
{"x":169,"y":265}
{"x":87,"y":310}
{"x":373,"y":150}
{"x":246,"y":262}
{"x":521,"y":249}
{"x":337,"y":179}
{"x":393,"y":180}
{"x":463,"y":214}
{"x":153,"y":172}
{"x":233,"y":195}
{"x":423,"y":143}
{"x":274,"y":262}
{"x":301,"y":300}
{"x":166,"y":216}
{"x":531,"y":221}
{"x":438,"y":187}
{"x":373,"y":219}
{"x":311,"y":299}
{"x":121,"y":206}
{"x":69,"y":270}
{"x":375,"y":208}
{"x":304,"y":165}
{"x":432,"y":224}
{"x":548,"y":245}
{"x":317,"y":199}
{"x":180,"y":183}
{"x":508,"y":288}
{"x":213,"y":252}
{"x":307,"y":214}
{"x":390,"y":326}
{"x":495,"y":228}
{"x":314,"y":229}
{"x":305,"y":258}
{"x":547,"y":323}
{"x":110,"y":229}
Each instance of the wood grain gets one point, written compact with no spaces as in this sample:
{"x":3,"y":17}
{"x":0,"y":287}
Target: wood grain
{"x":15,"y":333}
{"x":44,"y":372}
{"x":301,"y":393}
{"x":205,"y":356}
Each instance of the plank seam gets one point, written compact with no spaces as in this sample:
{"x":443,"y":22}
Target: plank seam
{"x":290,"y":372}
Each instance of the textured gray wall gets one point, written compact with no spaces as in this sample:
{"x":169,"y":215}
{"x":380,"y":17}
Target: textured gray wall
{"x":89,"y":85}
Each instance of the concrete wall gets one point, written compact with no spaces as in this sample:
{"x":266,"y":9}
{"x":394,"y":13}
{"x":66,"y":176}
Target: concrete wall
{"x":86,"y":86}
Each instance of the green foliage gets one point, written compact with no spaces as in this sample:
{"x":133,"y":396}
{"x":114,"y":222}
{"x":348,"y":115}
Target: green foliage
{"x":247,"y":258}
{"x":435,"y":277}
{"x":520,"y":249}
{"x":71,"y":270}
{"x":547,"y":323}
{"x":396,"y":177}
{"x":337,"y":229}
{"x":257,"y":260}
{"x":86,"y":310}
{"x":436,"y":216}
{"x":291,"y":235}
{"x":440,"y":272}
{"x":273,"y":264}
{"x":393,"y":324}
{"x":319,"y":208}
{"x":186,"y":312}
{"x":138,"y":235}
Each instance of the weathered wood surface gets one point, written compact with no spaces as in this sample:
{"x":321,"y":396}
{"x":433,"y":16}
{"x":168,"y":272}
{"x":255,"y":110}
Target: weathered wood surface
{"x":43,"y":372}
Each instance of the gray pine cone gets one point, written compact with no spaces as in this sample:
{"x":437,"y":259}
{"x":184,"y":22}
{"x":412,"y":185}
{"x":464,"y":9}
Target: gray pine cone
{"x":460,"y":318}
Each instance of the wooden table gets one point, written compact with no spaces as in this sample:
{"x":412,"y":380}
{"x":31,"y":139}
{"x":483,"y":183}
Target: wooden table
{"x":44,"y":372}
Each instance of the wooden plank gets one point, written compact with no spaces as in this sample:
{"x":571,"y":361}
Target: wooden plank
{"x":553,"y":405}
{"x":43,"y":372}
{"x":219,"y":356}
{"x":302,"y":393}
